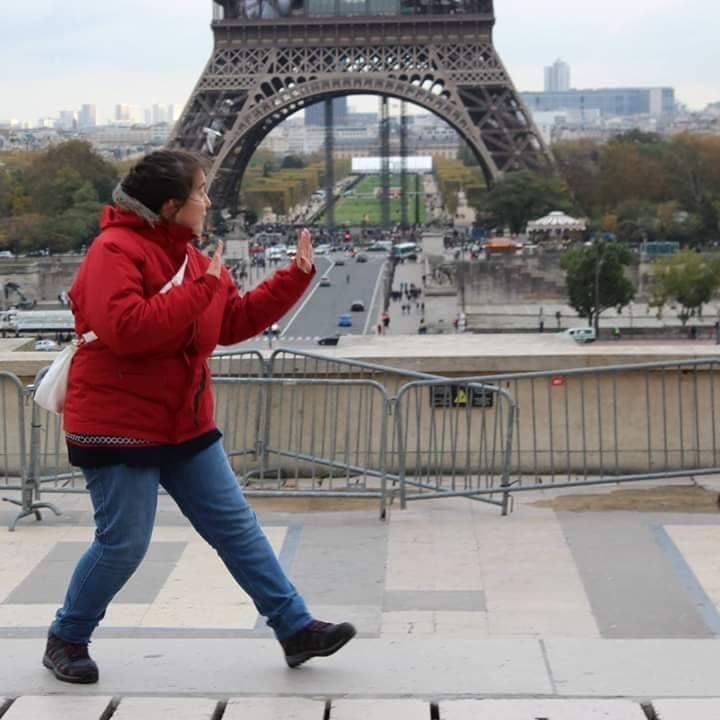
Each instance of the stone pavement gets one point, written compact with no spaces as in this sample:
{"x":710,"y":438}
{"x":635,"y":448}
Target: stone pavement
{"x":462,"y":615}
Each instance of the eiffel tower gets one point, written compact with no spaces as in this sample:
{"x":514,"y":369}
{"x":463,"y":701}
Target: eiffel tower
{"x":272,"y":58}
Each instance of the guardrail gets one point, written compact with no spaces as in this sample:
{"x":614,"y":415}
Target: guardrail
{"x":309,"y":425}
{"x":612,"y":424}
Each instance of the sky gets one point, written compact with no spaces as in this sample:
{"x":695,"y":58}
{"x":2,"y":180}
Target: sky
{"x":58,"y":55}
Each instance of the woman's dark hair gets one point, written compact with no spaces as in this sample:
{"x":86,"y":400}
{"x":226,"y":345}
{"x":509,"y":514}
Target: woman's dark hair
{"x":161,"y":176}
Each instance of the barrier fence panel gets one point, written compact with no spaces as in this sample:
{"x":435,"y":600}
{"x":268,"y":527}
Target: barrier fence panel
{"x":13,"y":444}
{"x":612,"y":424}
{"x":312,"y":425}
{"x":237,"y":363}
{"x":453,"y":438}
{"x":318,"y":437}
{"x":239,"y":406}
{"x":298,"y":364}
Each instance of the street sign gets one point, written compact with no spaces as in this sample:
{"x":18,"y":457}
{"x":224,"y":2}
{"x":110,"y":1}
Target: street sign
{"x":460,"y":396}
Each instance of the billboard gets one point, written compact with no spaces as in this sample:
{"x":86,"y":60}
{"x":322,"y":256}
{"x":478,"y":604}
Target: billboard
{"x":415,"y":164}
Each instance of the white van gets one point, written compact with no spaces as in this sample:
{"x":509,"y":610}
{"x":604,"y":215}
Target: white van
{"x":581,"y":335}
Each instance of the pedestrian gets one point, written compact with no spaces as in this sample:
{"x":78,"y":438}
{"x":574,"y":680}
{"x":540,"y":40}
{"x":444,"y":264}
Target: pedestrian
{"x":138,"y":413}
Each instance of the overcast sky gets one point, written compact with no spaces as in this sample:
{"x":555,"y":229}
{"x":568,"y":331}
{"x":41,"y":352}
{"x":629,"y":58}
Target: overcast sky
{"x":57,"y":55}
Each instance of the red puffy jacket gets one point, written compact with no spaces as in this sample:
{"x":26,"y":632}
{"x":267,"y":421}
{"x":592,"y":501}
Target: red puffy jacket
{"x":146,"y":376}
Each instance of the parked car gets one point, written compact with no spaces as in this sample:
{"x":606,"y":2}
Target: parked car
{"x":329,"y":340}
{"x":340,"y":261}
{"x":325,"y":281}
{"x":357,"y":306}
{"x":46,"y":345}
{"x":345,"y":320}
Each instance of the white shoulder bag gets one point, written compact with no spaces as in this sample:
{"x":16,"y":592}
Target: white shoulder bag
{"x":52,"y":388}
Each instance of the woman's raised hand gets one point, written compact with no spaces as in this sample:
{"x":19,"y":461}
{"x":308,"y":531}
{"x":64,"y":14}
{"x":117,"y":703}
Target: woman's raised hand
{"x":304,"y":256}
{"x":216,"y":263}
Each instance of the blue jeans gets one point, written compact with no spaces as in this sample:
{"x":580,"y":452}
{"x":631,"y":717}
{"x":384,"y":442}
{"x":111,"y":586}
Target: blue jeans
{"x":206,"y":490}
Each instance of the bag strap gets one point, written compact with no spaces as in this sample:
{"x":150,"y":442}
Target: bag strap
{"x":174,"y":281}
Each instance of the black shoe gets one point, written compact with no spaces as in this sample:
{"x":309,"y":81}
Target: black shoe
{"x":70,"y":662}
{"x":318,"y":639}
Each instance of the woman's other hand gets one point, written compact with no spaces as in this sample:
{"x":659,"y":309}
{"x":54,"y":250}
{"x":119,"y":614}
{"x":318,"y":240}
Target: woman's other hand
{"x":216,"y":263}
{"x":304,"y":256}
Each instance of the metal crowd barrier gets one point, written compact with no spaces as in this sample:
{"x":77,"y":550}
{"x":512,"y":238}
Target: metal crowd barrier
{"x":13,"y":444}
{"x":447,"y":418}
{"x":453,"y":438}
{"x":309,"y":425}
{"x":316,"y":437}
{"x":613,"y":424}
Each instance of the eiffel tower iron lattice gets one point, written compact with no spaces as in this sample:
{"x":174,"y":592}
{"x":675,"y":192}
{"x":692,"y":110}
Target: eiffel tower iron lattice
{"x":262,"y":71}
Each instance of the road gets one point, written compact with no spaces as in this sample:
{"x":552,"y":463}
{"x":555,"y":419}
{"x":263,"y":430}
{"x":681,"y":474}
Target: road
{"x":315,"y":314}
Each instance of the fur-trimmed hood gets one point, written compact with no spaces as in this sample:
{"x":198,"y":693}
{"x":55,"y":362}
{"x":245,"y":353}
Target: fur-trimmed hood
{"x":127,"y":202}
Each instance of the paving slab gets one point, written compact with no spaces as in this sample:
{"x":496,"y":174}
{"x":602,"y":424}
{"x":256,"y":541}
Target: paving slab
{"x":162,"y":708}
{"x":634,"y":668}
{"x":427,"y":668}
{"x":35,"y":707}
{"x":687,"y":709}
{"x":541,"y":710}
{"x":377,"y":709}
{"x":274,"y":708}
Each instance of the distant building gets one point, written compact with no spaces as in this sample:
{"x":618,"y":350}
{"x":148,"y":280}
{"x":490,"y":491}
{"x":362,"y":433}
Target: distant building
{"x":87,"y":117}
{"x":315,"y":114}
{"x":557,"y":77}
{"x":608,"y":101}
{"x":66,"y":120}
{"x":362,"y":118}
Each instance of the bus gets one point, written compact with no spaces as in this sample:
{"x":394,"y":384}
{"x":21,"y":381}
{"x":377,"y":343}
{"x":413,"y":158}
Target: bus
{"x":406,"y":251}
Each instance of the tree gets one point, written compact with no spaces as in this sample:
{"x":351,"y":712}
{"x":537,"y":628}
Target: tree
{"x":524,"y":196}
{"x":693,"y":165}
{"x":292,"y":162}
{"x":637,"y":137}
{"x":579,"y":164}
{"x":595,"y":276}
{"x":626,"y":172}
{"x":65,"y":167}
{"x":467,"y":155}
{"x":688,"y":278}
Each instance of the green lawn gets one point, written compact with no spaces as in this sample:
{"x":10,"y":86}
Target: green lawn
{"x":371,"y":182}
{"x":353,"y":211}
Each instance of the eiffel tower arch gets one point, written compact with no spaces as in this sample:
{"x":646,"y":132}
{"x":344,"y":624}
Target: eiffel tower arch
{"x":437,"y":54}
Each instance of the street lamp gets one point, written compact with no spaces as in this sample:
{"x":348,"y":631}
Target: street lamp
{"x":599,"y":256}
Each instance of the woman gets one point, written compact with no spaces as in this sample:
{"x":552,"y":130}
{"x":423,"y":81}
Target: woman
{"x":139,"y":407}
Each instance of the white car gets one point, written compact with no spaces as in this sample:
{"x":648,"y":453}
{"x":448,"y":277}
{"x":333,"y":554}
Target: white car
{"x":44,"y":345}
{"x":581,"y":335}
{"x":322,"y":249}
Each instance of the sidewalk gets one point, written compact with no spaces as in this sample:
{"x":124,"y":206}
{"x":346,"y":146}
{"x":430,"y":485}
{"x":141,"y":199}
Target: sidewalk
{"x":542,"y":614}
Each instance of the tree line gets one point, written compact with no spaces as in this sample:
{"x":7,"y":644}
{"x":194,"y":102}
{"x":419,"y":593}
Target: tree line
{"x":52,"y":199}
{"x":639,"y":187}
